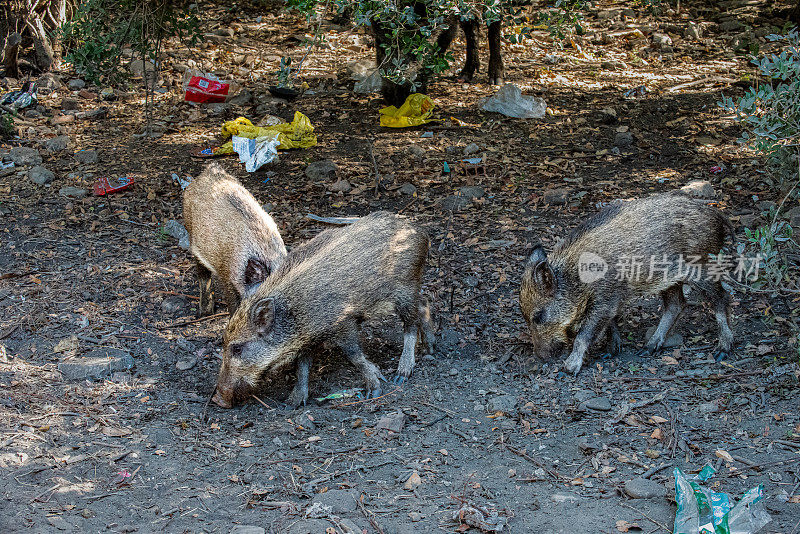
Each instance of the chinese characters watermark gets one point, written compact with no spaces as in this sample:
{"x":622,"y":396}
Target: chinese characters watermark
{"x":653,"y":269}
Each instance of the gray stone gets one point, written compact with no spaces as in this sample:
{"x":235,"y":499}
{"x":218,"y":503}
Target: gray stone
{"x":340,"y":501}
{"x":175,"y":229}
{"x":662,"y":40}
{"x":565,"y":497}
{"x":454,"y":202}
{"x":453,"y":372}
{"x":98,"y":363}
{"x":582,"y":395}
{"x":416,"y":151}
{"x":248,"y":529}
{"x":59,"y":522}
{"x":321,"y":170}
{"x":794,"y":217}
{"x":415,"y":516}
{"x":472,"y":191}
{"x":47,"y":83}
{"x":340,"y":186}
{"x":41,"y":175}
{"x":393,"y":422}
{"x":608,"y":115}
{"x":69,"y":104}
{"x":4,"y":211}
{"x":73,"y":192}
{"x":693,"y":31}
{"x":407,"y":189}
{"x":471,"y":149}
{"x":601,"y":404}
{"x":33,"y":113}
{"x":557,"y":196}
{"x":224,"y":32}
{"x":57,"y":144}
{"x":308,"y":526}
{"x":623,"y":139}
{"x":86,"y":156}
{"x":173,"y":304}
{"x":709,"y":407}
{"x":699,"y":189}
{"x":76,"y":84}
{"x":643,"y":488}
{"x":730,"y":25}
{"x":242,"y":99}
{"x":502,"y":403}
{"x":24,"y":156}
{"x":217,"y":108}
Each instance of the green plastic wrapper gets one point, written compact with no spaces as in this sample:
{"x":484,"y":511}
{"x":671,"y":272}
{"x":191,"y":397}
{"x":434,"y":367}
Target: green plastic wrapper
{"x":701,"y":511}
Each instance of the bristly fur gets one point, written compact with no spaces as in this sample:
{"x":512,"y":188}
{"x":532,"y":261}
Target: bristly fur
{"x":563,"y":311}
{"x":231,"y":236}
{"x":324,"y":289}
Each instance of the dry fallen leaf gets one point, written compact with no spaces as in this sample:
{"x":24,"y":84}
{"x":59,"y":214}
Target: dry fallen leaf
{"x":115,"y":432}
{"x":624,"y":526}
{"x":725,"y":455}
{"x":657,"y":419}
{"x":657,"y":434}
{"x":669,"y":360}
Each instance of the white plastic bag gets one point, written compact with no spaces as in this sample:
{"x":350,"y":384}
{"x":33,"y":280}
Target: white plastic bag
{"x":510,"y":101}
{"x":256,"y":152}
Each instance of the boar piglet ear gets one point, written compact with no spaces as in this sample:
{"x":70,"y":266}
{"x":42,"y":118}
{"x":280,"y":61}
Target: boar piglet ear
{"x":263,"y":315}
{"x":537,"y":254}
{"x":255,"y":272}
{"x":544,"y":277}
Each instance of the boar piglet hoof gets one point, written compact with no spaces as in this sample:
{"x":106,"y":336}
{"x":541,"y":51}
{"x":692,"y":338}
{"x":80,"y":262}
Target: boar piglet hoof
{"x":299,"y":393}
{"x":721,"y":355}
{"x":645,"y":352}
{"x":574,"y":363}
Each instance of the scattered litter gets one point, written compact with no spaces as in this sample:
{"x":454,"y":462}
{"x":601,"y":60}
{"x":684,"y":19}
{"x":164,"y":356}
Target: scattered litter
{"x":205,"y":88}
{"x":510,"y":101}
{"x":716,"y":169}
{"x":296,"y":134}
{"x":256,"y":152}
{"x":426,"y":135}
{"x":343,"y":394}
{"x":701,"y":511}
{"x":472,"y":166}
{"x":416,"y":110}
{"x":638,"y":91}
{"x":206,"y":152}
{"x":106,"y":186}
{"x":175,"y":229}
{"x":182,"y":182}
{"x":480,"y":517}
{"x":25,"y":97}
{"x":445,"y":168}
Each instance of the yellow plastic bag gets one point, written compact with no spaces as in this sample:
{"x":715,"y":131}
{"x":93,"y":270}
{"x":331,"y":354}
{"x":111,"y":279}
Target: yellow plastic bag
{"x":296,"y":134}
{"x":416,"y":110}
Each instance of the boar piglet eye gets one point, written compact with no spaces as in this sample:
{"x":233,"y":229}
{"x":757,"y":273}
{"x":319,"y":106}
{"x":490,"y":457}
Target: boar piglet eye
{"x":236,"y":350}
{"x":539,"y":317}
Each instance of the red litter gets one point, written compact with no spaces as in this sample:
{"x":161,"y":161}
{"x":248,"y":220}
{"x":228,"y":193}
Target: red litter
{"x":716,"y":169}
{"x":105,"y":186}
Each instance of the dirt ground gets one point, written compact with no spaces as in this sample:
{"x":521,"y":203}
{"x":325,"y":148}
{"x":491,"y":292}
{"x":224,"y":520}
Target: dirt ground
{"x":482,"y":422}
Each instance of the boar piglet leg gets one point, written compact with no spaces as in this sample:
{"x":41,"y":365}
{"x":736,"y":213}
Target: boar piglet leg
{"x":299,"y":393}
{"x":407,"y":358}
{"x":352,"y":349}
{"x":674,"y":303}
{"x":614,"y":338}
{"x":206,"y":290}
{"x":595,"y":322}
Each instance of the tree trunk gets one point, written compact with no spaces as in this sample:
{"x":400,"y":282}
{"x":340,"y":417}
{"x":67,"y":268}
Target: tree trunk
{"x":45,"y":57}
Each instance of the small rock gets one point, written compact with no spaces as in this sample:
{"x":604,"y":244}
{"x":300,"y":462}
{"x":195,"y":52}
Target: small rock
{"x":217,"y":108}
{"x":693,"y":31}
{"x":107,"y":93}
{"x":69,"y":104}
{"x":407,"y":189}
{"x":415,"y":516}
{"x":59,"y":522}
{"x":57,"y":144}
{"x":472,"y":191}
{"x":268,"y":207}
{"x":453,"y":372}
{"x":98,"y":363}
{"x":557,"y":196}
{"x":76,"y":84}
{"x":322,"y":170}
{"x":47,"y":83}
{"x":175,"y":229}
{"x":471,"y":149}
{"x":73,"y":192}
{"x":88,"y":95}
{"x":224,"y":32}
{"x":23,"y":156}
{"x":586,"y":446}
{"x":62,"y":119}
{"x":601,"y":404}
{"x":247,"y":529}
{"x":185,"y":365}
{"x":730,"y":25}
{"x":416,"y":151}
{"x":173,"y":304}
{"x":340,"y":186}
{"x":582,"y":395}
{"x":340,"y":501}
{"x":623,"y":139}
{"x":502,"y":403}
{"x":565,"y":497}
{"x":614,"y":64}
{"x":699,"y":189}
{"x":33,"y":113}
{"x":413,"y":482}
{"x":709,"y":407}
{"x":242,"y":99}
{"x":662,"y":40}
{"x":643,"y":488}
{"x":392,"y":422}
{"x":454,"y":202}
{"x":86,"y":156}
{"x":41,"y":175}
{"x":794,"y":217}
{"x":608,"y":115}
